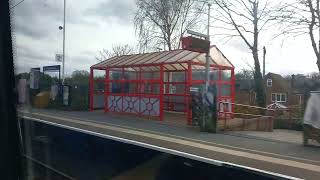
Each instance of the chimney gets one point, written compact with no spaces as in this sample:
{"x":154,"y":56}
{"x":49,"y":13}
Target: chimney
{"x":293,"y":78}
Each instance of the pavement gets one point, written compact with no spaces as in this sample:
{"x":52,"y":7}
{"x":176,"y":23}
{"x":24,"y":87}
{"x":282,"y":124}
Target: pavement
{"x":279,"y":135}
{"x":278,"y":152}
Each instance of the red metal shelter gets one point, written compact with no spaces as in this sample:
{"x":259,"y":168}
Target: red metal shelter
{"x":148,"y":84}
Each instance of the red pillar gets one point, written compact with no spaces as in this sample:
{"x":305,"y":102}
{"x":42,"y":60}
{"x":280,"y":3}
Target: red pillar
{"x":188,"y":96}
{"x":151,"y":84}
{"x":137,"y":84}
{"x":168,"y":80}
{"x":91,"y":91}
{"x":106,"y":91}
{"x":186,"y":86}
{"x":141,"y":84}
{"x":219,"y":82}
{"x":122,"y":88}
{"x":168,"y":92}
{"x":233,"y":80}
{"x":161,"y":93}
{"x":219,"y":88}
{"x":140,"y":89}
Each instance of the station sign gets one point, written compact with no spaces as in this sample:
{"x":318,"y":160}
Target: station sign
{"x":54,"y":68}
{"x":195,"y":44}
{"x":51,"y":68}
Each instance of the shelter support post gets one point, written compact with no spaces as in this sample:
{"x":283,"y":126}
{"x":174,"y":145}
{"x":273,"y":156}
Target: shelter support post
{"x":106,"y":90}
{"x":122,"y":87}
{"x":168,"y":80}
{"x":91,"y":91}
{"x":136,"y":90}
{"x":151,"y":85}
{"x":188,"y":97}
{"x":168,"y":86}
{"x":219,"y":88}
{"x":186,"y":105}
{"x":140,"y":88}
{"x":233,"y":80}
{"x":161,"y":93}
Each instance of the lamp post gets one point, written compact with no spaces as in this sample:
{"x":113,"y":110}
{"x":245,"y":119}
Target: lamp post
{"x":204,"y":91}
{"x":207,"y":71}
{"x":264,"y":61}
{"x":63,"y":41}
{"x":207,"y":74}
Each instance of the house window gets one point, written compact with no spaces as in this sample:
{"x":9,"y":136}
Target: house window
{"x":283,"y":98}
{"x":279,"y":97}
{"x":269,"y":82}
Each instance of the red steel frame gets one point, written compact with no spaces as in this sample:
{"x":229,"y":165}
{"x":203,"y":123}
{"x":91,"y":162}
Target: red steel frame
{"x":140,"y":81}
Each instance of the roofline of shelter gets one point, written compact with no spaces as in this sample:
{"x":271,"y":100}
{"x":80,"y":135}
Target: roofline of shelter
{"x":222,"y":54}
{"x":163,"y":63}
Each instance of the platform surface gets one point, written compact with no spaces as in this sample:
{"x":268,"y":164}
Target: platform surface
{"x":280,"y":151}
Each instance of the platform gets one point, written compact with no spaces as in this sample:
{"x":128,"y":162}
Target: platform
{"x":265,"y":154}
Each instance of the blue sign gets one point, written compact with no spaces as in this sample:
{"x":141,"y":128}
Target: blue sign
{"x":35,"y":69}
{"x":51,"y":68}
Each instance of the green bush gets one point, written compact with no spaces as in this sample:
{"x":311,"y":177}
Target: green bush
{"x":204,"y":116}
{"x":287,"y":124}
{"x":79,"y":98}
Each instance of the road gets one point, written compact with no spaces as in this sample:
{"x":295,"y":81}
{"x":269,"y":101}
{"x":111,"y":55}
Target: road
{"x":266,"y":156}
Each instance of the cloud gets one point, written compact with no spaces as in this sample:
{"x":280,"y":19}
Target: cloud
{"x":120,"y":10}
{"x":33,"y":30}
{"x":94,"y":25}
{"x":30,"y":53}
{"x":41,"y":18}
{"x":238,"y":44}
{"x":27,"y":57}
{"x":36,"y":37}
{"x":36,"y":19}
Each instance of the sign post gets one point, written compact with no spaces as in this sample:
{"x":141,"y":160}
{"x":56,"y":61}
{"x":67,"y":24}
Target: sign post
{"x":34,"y":78}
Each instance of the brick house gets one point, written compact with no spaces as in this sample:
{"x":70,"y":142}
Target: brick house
{"x":281,"y":90}
{"x":286,"y":91}
{"x":277,"y":89}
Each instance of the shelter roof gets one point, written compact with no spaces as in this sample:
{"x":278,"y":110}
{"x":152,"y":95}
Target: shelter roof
{"x":173,"y":60}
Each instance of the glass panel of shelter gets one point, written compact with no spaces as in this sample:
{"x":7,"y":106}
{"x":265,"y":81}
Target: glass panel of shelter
{"x":146,"y":81}
{"x":134,"y":82}
{"x":99,"y":81}
{"x":175,"y":90}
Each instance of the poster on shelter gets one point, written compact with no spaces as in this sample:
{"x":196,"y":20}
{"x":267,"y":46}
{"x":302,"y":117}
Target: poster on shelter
{"x":34,"y":78}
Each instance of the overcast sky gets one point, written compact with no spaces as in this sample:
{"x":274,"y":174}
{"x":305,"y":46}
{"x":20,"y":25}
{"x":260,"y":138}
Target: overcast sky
{"x":97,"y":24}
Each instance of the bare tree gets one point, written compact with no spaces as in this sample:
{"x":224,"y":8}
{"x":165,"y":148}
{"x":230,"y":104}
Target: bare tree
{"x":244,"y":74}
{"x":314,"y":75}
{"x":245,"y":19}
{"x":116,"y":50}
{"x":161,"y":23}
{"x":300,"y":18}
